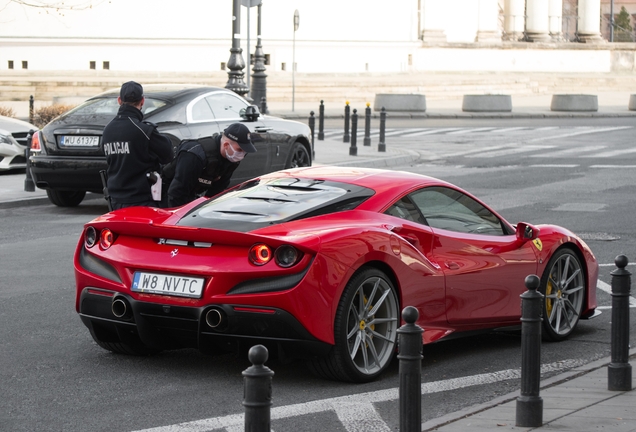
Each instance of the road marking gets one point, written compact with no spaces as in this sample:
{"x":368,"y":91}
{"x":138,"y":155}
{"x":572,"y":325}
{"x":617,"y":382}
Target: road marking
{"x":608,"y":289}
{"x":580,"y":132}
{"x":554,"y":165}
{"x":347,"y":408}
{"x":471,"y":130}
{"x":509,"y":151}
{"x":498,"y":130}
{"x":568,"y":152}
{"x":432,"y":131}
{"x":613,"y":166}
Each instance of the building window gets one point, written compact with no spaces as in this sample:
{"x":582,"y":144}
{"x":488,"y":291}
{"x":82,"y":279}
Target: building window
{"x":106,"y":65}
{"x":91,"y":64}
{"x":283,"y":66}
{"x":266,"y":59}
{"x":222,"y":65}
{"x":10,"y":64}
{"x":25,"y":64}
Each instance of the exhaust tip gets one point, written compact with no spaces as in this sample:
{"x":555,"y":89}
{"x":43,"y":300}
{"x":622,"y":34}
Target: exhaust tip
{"x":120,"y":308}
{"x":215,"y":318}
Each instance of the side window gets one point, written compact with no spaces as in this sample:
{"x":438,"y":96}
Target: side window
{"x":405,"y":209}
{"x":226,"y":106}
{"x":201,"y":111}
{"x":451,"y":210}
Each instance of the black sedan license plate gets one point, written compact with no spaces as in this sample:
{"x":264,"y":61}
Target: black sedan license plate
{"x":156,"y":283}
{"x":79,"y":141}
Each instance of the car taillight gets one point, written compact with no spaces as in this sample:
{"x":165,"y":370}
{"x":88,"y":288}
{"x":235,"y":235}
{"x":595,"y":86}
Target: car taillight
{"x":35,"y":142}
{"x":260,"y":254}
{"x":106,"y":238}
{"x":287,"y":256}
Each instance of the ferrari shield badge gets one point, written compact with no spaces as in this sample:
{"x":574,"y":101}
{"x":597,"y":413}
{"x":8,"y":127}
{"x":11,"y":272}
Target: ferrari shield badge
{"x":538,"y":244}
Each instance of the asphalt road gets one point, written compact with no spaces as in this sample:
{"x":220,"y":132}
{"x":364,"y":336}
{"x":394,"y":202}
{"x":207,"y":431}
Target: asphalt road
{"x":575,"y":173}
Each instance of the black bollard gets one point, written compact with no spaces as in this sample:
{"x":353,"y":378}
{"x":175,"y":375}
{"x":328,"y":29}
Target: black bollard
{"x":264,"y":105}
{"x":345,"y":137}
{"x":353,"y":149}
{"x":321,"y":122}
{"x":31,"y":115}
{"x":619,"y":371}
{"x":381,"y":145}
{"x":257,"y":391}
{"x":410,"y":357}
{"x":367,"y":125}
{"x":312,"y":126}
{"x":29,"y":185}
{"x":530,"y":404}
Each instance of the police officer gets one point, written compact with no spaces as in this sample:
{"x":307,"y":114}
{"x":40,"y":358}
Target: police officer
{"x":134,"y":150}
{"x":205,"y":166}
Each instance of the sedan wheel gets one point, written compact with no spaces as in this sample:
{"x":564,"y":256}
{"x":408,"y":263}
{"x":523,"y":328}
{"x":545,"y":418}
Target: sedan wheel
{"x":65,"y":198}
{"x":299,"y":157}
{"x":563,"y":285}
{"x":365,"y":330}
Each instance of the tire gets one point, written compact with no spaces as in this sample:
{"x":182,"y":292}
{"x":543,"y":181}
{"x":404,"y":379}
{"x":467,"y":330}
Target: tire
{"x":365,"y":330}
{"x":298,"y":156}
{"x":65,"y":198}
{"x":563,"y":285}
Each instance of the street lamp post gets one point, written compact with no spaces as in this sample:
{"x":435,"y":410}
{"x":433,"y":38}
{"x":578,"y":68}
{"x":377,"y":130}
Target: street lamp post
{"x":259,"y":85}
{"x":236,"y":63}
{"x":296,"y":22}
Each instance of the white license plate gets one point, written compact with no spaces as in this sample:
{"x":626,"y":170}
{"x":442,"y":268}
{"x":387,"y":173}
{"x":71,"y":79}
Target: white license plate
{"x":79,"y":141}
{"x":156,"y":283}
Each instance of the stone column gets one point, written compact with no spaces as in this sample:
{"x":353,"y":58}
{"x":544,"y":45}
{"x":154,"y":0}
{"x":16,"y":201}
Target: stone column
{"x":589,"y":28}
{"x":537,"y":24}
{"x":555,"y":17}
{"x":433,"y":11}
{"x":514,"y":19}
{"x":488,"y":22}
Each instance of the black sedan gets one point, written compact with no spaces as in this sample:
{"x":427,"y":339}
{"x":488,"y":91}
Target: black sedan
{"x":67,"y":154}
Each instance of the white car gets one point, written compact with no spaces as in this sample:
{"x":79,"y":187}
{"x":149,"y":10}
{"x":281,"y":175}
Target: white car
{"x":13,"y":139}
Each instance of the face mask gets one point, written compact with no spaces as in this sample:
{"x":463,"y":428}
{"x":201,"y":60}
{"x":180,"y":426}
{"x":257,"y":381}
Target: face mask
{"x":234,"y":156}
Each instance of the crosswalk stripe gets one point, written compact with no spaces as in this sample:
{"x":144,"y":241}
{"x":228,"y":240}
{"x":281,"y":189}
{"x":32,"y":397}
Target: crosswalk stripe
{"x":568,"y":152}
{"x":471,"y":130}
{"x":509,"y":151}
{"x":609,"y":154}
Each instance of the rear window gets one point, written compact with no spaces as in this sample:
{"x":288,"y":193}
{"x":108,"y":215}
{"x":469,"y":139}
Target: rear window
{"x":257,"y":203}
{"x":109,"y":106}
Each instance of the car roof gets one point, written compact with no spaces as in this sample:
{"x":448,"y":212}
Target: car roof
{"x":175,"y":92}
{"x":379,"y":180}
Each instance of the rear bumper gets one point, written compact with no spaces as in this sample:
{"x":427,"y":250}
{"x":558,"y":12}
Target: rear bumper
{"x":66,"y":173}
{"x":170,"y":327}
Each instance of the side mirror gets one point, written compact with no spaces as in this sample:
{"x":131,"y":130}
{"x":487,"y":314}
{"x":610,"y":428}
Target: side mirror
{"x":525,"y":231}
{"x":251,"y":113}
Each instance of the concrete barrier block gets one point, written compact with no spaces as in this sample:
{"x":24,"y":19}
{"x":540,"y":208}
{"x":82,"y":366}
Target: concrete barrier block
{"x":632,"y":102}
{"x":574,"y":102}
{"x":400,"y":102}
{"x":487,"y":103}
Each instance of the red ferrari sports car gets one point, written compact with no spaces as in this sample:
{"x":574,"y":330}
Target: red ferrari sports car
{"x":318,"y":262}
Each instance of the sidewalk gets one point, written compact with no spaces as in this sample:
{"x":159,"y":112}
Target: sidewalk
{"x":577,"y":400}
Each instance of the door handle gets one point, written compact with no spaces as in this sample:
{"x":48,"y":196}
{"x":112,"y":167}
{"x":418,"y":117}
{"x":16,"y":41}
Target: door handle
{"x":451,"y":265}
{"x":263,"y":129}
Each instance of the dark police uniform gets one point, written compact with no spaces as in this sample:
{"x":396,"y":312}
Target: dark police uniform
{"x":199,"y":169}
{"x":133,"y":149}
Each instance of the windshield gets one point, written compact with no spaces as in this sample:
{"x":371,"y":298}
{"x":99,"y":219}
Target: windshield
{"x":109,"y":106}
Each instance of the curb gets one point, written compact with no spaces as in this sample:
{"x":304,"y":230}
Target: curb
{"x":463,"y":115}
{"x":576,"y":372}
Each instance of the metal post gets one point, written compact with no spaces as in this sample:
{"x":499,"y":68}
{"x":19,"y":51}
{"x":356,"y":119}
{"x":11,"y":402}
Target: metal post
{"x":353,"y":149}
{"x":619,"y":371}
{"x":312,"y":127}
{"x":236,"y":64}
{"x":29,"y":185}
{"x":410,"y":357}
{"x":367,"y":125}
{"x":259,"y":77}
{"x":381,"y":145}
{"x":257,"y":391}
{"x":321,"y":122}
{"x":31,"y":116}
{"x":264,"y":105}
{"x":345,"y":137}
{"x":530,"y":404}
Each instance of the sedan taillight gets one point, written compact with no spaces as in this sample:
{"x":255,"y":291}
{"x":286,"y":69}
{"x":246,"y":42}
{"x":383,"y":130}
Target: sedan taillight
{"x":35,"y":142}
